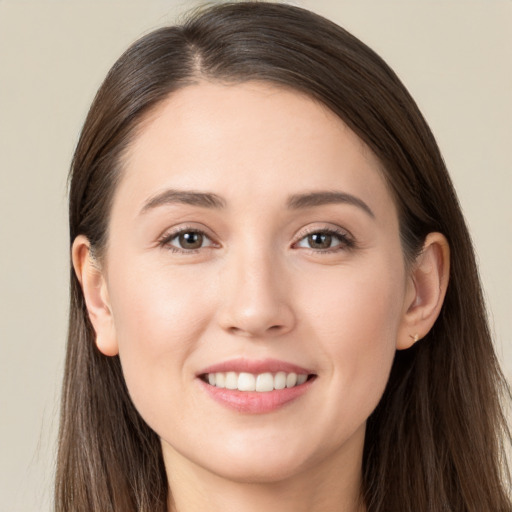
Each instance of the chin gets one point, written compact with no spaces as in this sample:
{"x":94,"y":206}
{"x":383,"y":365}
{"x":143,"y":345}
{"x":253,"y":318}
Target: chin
{"x":249,"y":463}
{"x":260,"y":470}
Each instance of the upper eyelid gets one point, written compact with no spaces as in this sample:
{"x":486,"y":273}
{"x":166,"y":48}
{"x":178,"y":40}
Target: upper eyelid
{"x":172,"y":233}
{"x":323,"y":229}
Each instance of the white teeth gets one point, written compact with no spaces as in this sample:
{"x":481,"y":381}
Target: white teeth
{"x":246,"y":382}
{"x":280,"y":380}
{"x":291,"y":380}
{"x":262,"y":383}
{"x":220,"y":380}
{"x":301,"y":379}
{"x":231,"y":380}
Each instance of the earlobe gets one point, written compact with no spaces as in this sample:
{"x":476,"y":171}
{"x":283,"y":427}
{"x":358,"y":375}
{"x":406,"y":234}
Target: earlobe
{"x":95,"y":291}
{"x":426,"y":290}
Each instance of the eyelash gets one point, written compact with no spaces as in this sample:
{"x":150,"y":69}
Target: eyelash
{"x":346,"y":241}
{"x":165,"y":240}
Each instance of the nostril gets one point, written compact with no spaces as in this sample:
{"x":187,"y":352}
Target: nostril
{"x":251,"y":332}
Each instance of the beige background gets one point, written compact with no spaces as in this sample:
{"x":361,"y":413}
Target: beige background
{"x":454,"y":56}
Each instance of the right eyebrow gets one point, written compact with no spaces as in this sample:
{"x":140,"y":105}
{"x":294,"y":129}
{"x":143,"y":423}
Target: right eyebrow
{"x":319,"y":198}
{"x":191,"y":197}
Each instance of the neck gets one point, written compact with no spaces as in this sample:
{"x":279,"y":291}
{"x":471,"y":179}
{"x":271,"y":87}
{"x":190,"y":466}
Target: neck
{"x":325,"y":487}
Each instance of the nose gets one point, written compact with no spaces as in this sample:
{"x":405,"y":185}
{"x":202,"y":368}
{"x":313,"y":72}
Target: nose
{"x":255,"y":297}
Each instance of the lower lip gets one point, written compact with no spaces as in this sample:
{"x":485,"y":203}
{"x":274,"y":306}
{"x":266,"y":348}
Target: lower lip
{"x":255,"y":402}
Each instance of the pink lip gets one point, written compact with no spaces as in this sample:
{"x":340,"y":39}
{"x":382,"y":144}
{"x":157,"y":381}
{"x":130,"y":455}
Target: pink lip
{"x":254,"y":402}
{"x":255,"y":367}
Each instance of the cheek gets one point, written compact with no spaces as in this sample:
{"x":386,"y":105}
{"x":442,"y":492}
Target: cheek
{"x":154,"y":311}
{"x":361,"y":306}
{"x":158,"y":325}
{"x":356,"y":323}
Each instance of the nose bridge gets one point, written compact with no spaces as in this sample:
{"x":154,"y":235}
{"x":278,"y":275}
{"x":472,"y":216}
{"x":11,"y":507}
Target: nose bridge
{"x":254,"y":291}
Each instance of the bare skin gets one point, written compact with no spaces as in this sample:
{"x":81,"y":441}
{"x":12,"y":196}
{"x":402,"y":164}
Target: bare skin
{"x":262,"y":264}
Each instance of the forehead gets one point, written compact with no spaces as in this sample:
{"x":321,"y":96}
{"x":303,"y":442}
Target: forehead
{"x":253,"y":141}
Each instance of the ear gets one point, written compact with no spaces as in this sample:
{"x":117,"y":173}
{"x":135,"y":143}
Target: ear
{"x":426,"y":290}
{"x":94,"y":288}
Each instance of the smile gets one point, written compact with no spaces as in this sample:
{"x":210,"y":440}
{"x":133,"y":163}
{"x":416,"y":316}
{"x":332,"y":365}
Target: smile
{"x":261,"y":383}
{"x":255,"y":387}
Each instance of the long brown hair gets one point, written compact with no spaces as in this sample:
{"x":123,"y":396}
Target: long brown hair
{"x":435,"y":441}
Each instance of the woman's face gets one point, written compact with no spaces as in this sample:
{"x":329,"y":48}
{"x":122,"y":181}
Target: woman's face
{"x":253,"y":233}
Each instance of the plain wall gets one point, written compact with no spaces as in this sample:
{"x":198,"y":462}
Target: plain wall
{"x":454,"y":56}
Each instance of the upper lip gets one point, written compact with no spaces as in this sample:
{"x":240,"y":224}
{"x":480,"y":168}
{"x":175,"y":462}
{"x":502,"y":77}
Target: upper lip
{"x":255,"y":367}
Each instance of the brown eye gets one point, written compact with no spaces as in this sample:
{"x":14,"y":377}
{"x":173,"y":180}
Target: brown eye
{"x":187,"y":240}
{"x":320,"y":240}
{"x":190,"y":240}
{"x":326,"y":241}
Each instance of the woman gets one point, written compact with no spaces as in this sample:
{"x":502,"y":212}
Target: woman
{"x":275,"y":301}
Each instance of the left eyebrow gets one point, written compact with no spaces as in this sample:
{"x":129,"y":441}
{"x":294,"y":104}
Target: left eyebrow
{"x":299,"y":201}
{"x":202,"y":199}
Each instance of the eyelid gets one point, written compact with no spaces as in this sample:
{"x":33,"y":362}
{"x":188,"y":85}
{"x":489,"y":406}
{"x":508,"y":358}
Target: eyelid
{"x":346,"y":238}
{"x":170,"y":234}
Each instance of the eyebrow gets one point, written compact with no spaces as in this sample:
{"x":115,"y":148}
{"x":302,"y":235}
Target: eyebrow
{"x":171,"y":196}
{"x":294,"y":202}
{"x":308,"y":200}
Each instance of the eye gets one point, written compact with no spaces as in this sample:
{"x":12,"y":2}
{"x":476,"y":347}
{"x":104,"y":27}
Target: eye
{"x":325,"y":240}
{"x":186,"y":240}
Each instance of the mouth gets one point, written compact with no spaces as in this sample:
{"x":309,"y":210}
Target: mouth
{"x":260,"y":383}
{"x":255,"y":386}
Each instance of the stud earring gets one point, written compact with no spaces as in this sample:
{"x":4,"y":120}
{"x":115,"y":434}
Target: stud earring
{"x":415,"y":338}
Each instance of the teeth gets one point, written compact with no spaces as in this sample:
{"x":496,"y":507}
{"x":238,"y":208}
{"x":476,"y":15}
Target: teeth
{"x":264,"y":382}
{"x":280,"y":380}
{"x":301,"y":379}
{"x":231,"y":380}
{"x":291,"y":380}
{"x":246,"y":382}
{"x":220,"y":380}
